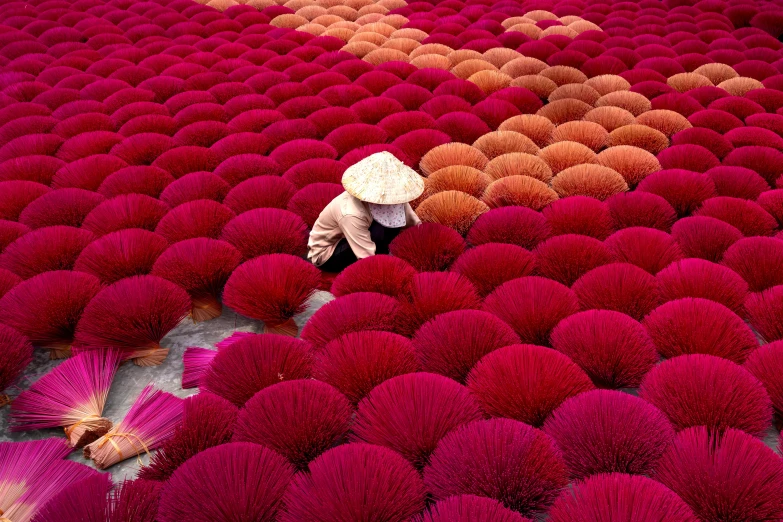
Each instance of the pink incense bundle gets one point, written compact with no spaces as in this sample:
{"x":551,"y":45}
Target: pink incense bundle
{"x":352,"y":313}
{"x":766,"y":364}
{"x":704,"y":279}
{"x":17,"y":354}
{"x":621,"y":287}
{"x":133,"y":315}
{"x":532,"y":306}
{"x":525,"y":382}
{"x":150,"y":421}
{"x":568,"y":257}
{"x":119,"y":254}
{"x":207,"y":421}
{"x":379,"y":273}
{"x":56,"y":476}
{"x":22,"y":463}
{"x":451,"y":344}
{"x":613,"y":349}
{"x":695,"y":325}
{"x":490,"y":265}
{"x":82,"y":501}
{"x":195,"y":362}
{"x":434,"y":293}
{"x":428,"y":247}
{"x":72,"y":395}
{"x":704,"y":390}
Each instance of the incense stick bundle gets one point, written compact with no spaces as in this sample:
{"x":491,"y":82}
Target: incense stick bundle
{"x":92,"y":499}
{"x":149,"y":422}
{"x":54,"y":478}
{"x":195,"y":362}
{"x":21,"y":463}
{"x":73,"y":395}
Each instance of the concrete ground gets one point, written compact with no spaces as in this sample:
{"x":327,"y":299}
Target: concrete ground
{"x":131,"y":379}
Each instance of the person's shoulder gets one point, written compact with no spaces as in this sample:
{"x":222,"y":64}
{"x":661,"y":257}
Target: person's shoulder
{"x":351,"y":206}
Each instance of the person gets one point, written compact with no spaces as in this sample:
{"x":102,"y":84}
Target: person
{"x":363,"y":220}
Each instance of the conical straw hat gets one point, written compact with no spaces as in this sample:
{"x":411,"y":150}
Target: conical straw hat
{"x":383,"y":179}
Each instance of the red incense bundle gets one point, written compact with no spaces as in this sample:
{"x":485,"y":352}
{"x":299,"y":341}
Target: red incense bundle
{"x":73,"y":396}
{"x":17,"y":354}
{"x":150,"y":421}
{"x":133,"y":315}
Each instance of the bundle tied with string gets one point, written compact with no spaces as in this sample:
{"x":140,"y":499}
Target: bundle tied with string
{"x":73,"y":395}
{"x":150,"y":421}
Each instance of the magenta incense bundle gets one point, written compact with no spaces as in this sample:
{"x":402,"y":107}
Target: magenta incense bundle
{"x":21,"y":463}
{"x":56,"y":476}
{"x":92,"y":499}
{"x":72,"y":395}
{"x":195,"y":362}
{"x":83,"y":501}
{"x":150,"y":421}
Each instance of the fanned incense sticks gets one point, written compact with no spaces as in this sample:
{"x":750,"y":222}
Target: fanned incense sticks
{"x":55,"y":477}
{"x":73,"y":396}
{"x":135,"y":501}
{"x":195,"y":362}
{"x":92,"y":499}
{"x":150,"y":421}
{"x":208,"y":420}
{"x":133,"y":315}
{"x":21,"y":463}
{"x":17,"y":354}
{"x":83,"y":501}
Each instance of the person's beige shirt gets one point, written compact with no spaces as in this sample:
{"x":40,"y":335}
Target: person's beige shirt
{"x":349,"y":218}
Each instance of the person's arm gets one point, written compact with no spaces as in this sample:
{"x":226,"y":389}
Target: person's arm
{"x":357,"y":233}
{"x":411,"y":218}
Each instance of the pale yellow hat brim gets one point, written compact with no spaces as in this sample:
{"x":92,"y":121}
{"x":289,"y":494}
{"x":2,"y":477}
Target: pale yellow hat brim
{"x":382,"y":179}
